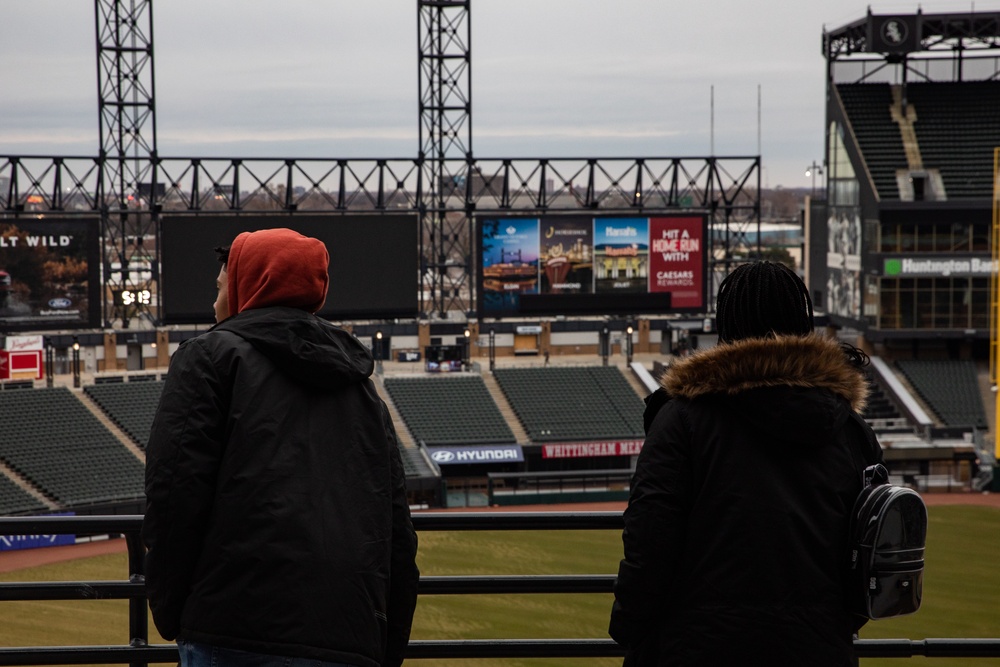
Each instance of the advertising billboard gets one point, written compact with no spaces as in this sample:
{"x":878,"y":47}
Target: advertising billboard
{"x":374,"y":270}
{"x":677,"y":260}
{"x":587,"y":265}
{"x":49,"y":274}
{"x":567,"y":255}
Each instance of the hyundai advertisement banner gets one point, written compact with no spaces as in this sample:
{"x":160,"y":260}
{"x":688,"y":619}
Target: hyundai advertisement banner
{"x":467,"y":454}
{"x":593,"y":265}
{"x":49,"y":274}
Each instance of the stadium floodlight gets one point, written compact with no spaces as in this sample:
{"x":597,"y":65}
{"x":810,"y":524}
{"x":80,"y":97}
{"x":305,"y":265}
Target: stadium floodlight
{"x":814,"y":170}
{"x":378,"y":352}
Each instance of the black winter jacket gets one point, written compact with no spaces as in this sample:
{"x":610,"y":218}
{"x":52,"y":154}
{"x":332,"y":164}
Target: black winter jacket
{"x":276,"y":517}
{"x":736,"y":531}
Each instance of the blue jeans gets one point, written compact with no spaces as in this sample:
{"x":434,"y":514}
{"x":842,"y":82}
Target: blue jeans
{"x":205,"y":655}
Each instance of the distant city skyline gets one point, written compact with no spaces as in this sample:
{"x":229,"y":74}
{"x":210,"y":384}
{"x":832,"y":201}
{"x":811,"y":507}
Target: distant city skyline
{"x":552,"y":79}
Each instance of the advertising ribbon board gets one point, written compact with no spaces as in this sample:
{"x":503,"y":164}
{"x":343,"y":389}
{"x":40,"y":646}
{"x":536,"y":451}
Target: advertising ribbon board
{"x":676,"y":259}
{"x":577,"y":450}
{"x":476,"y":454}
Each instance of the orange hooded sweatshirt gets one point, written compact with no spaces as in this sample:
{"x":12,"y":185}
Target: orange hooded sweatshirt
{"x":277,"y":267}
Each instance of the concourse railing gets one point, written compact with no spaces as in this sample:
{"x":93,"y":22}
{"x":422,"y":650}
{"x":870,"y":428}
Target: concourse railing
{"x":139,"y":652}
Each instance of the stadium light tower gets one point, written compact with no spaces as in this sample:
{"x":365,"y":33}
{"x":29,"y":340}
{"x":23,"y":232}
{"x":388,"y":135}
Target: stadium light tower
{"x":127,"y":130}
{"x":444,"y":79}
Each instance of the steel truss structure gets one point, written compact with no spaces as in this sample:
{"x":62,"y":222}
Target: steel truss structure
{"x":130,"y":186}
{"x":444,"y":78}
{"x":945,"y":47}
{"x":935,"y":32}
{"x":127,"y":129}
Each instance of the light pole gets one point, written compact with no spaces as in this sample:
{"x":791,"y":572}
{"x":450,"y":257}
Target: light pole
{"x":628,"y":343}
{"x":465,"y":351}
{"x":493,"y":350}
{"x":605,"y":344}
{"x":76,"y":363}
{"x":814,"y":170}
{"x":378,"y":351}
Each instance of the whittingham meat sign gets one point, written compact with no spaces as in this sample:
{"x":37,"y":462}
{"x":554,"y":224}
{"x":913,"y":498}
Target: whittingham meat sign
{"x":576,"y":450}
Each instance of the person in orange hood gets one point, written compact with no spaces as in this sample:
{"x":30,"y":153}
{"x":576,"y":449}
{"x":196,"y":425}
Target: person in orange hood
{"x":277,"y":267}
{"x":277,"y":527}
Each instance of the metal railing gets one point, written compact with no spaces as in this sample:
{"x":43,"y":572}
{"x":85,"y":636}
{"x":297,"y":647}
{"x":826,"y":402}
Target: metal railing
{"x":140,"y":652}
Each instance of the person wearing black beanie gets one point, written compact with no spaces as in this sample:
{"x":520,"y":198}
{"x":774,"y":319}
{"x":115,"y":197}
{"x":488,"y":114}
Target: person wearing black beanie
{"x":736,"y":530}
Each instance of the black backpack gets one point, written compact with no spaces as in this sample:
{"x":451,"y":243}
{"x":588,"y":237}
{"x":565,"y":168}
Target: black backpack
{"x":888,"y":533}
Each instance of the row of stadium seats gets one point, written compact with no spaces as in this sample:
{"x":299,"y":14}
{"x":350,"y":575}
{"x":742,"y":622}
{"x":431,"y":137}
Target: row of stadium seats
{"x":15,"y":500}
{"x":573,"y":403}
{"x":867,"y":107}
{"x":56,"y":443}
{"x":950,"y":388}
{"x":956,"y":126}
{"x":449,"y":411}
{"x":552,"y":404}
{"x":130,"y":405}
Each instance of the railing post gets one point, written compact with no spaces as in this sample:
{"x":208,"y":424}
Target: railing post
{"x":138,"y":619}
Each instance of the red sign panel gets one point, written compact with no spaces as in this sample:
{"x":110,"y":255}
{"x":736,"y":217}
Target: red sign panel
{"x":677,"y":248}
{"x":20,"y":363}
{"x":577,"y":450}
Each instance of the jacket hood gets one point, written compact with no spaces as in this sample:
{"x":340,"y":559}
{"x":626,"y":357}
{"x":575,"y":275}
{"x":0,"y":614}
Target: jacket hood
{"x":277,"y":267}
{"x":775,"y":379}
{"x":312,"y":351}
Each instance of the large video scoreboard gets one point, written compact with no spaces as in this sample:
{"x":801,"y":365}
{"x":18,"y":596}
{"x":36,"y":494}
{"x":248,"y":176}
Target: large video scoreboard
{"x":578,"y":265}
{"x":373,"y":262}
{"x":49,"y":274}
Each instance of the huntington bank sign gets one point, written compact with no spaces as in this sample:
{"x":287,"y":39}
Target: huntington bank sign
{"x":937,"y":267}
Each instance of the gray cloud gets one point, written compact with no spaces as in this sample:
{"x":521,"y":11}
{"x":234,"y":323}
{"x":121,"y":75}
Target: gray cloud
{"x":337,"y":79}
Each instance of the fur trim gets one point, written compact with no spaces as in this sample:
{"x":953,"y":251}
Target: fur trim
{"x":797,"y":361}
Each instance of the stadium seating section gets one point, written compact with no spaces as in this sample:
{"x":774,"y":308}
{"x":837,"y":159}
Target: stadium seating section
{"x":573,"y":403}
{"x":414,"y":464}
{"x":15,"y":500}
{"x":55,"y":442}
{"x":131,"y":405}
{"x":879,"y":406}
{"x":950,"y":389}
{"x":867,"y":107}
{"x":449,"y":410}
{"x":957,"y":128}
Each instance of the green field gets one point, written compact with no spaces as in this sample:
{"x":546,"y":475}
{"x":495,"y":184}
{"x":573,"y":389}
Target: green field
{"x":961,"y":592}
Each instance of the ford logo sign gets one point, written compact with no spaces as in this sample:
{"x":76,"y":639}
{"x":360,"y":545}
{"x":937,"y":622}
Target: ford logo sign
{"x":60,"y":303}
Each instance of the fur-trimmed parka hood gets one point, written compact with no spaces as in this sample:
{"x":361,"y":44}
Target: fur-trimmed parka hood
{"x":796,"y":361}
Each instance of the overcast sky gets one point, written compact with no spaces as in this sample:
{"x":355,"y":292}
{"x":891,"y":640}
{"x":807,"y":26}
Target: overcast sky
{"x":550,"y":78}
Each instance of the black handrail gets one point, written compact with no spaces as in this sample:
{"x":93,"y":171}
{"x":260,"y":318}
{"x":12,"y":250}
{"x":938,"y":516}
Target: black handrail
{"x":139,"y":652}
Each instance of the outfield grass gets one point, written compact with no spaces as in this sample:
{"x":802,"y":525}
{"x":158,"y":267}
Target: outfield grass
{"x":961,"y":592}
